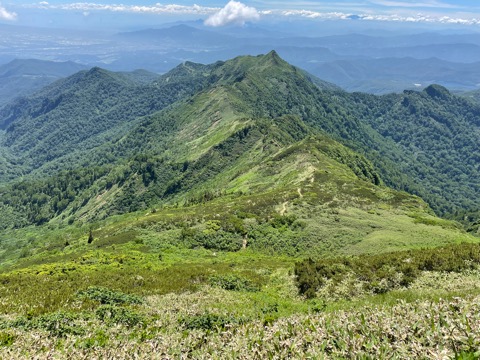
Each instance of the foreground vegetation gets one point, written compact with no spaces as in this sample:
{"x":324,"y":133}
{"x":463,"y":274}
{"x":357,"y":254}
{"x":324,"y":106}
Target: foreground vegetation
{"x":422,"y":329}
{"x":149,"y":286}
{"x":234,"y":305}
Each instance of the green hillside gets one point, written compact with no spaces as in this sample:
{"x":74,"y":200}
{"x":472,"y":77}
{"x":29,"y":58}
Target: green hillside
{"x":436,"y":137}
{"x":69,"y":118}
{"x":233,"y":209}
{"x":421,"y":142}
{"x":237,"y":164}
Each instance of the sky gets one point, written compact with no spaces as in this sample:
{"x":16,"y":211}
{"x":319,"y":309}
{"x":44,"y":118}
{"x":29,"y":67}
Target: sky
{"x":220,"y":13}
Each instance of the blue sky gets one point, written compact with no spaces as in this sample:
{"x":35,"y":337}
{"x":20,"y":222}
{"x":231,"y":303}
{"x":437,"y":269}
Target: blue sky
{"x":219,"y":13}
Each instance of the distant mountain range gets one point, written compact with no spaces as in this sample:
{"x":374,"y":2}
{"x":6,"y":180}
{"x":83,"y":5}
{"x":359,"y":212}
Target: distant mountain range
{"x":22,"y":77}
{"x":388,"y":61}
{"x":355,"y":62}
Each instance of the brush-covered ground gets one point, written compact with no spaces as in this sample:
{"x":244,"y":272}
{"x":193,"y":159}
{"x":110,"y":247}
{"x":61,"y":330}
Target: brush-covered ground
{"x":222,"y":279}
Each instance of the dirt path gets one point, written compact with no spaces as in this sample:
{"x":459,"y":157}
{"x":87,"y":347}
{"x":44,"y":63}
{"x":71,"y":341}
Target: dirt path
{"x":300,"y":192}
{"x":284,"y":208}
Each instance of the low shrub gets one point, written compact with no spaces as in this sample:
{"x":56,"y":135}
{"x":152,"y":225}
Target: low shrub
{"x":99,"y":339}
{"x":107,"y":296}
{"x":7,"y":338}
{"x":385,"y":272}
{"x":210,"y":322}
{"x":232,"y":282}
{"x":112,"y":314}
{"x":58,"y":324}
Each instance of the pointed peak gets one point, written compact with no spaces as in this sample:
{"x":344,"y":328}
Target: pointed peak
{"x":100,"y":69}
{"x":273,"y":57}
{"x":97,"y":70}
{"x":273,"y":54}
{"x":96,"y":74}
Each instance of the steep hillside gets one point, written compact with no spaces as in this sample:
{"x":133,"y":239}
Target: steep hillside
{"x":436,"y":137}
{"x":238,"y":148}
{"x":79,"y":113}
{"x":264,"y":187}
{"x":421,"y":142}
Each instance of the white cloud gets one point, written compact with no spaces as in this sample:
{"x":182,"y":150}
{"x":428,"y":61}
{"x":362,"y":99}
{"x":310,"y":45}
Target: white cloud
{"x":392,"y":17}
{"x":7,"y":15}
{"x":233,"y":13}
{"x":314,"y":14}
{"x":146,"y":9}
{"x":423,"y":4}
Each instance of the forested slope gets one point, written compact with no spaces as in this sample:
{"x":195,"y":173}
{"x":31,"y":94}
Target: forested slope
{"x":77,"y":114}
{"x":150,"y":140}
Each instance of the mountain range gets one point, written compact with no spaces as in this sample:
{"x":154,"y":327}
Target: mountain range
{"x":25,"y":76}
{"x":356,"y":58}
{"x":99,"y":143}
{"x":237,"y":209}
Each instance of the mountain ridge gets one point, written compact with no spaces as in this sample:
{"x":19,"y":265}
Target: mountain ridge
{"x":217,"y":101}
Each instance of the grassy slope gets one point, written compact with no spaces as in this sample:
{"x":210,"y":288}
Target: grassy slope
{"x":312,"y":205}
{"x":43,"y":312}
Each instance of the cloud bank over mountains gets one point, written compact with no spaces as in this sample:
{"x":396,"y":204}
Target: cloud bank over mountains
{"x":239,"y":13}
{"x":233,"y":13}
{"x":146,"y":9}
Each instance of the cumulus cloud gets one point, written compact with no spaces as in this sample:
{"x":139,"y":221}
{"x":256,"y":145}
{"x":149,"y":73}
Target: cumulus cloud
{"x":233,"y":13}
{"x":7,"y":15}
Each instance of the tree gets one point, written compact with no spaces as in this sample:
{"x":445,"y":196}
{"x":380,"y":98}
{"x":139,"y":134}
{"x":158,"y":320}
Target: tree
{"x":90,"y":237}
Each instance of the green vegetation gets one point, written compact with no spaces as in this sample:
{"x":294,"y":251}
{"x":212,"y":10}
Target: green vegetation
{"x":227,"y":304}
{"x":382,"y":273}
{"x":148,"y":280}
{"x":107,"y":296}
{"x":469,"y":219}
{"x":431,"y":132}
{"x":237,"y":210}
{"x":122,"y":127}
